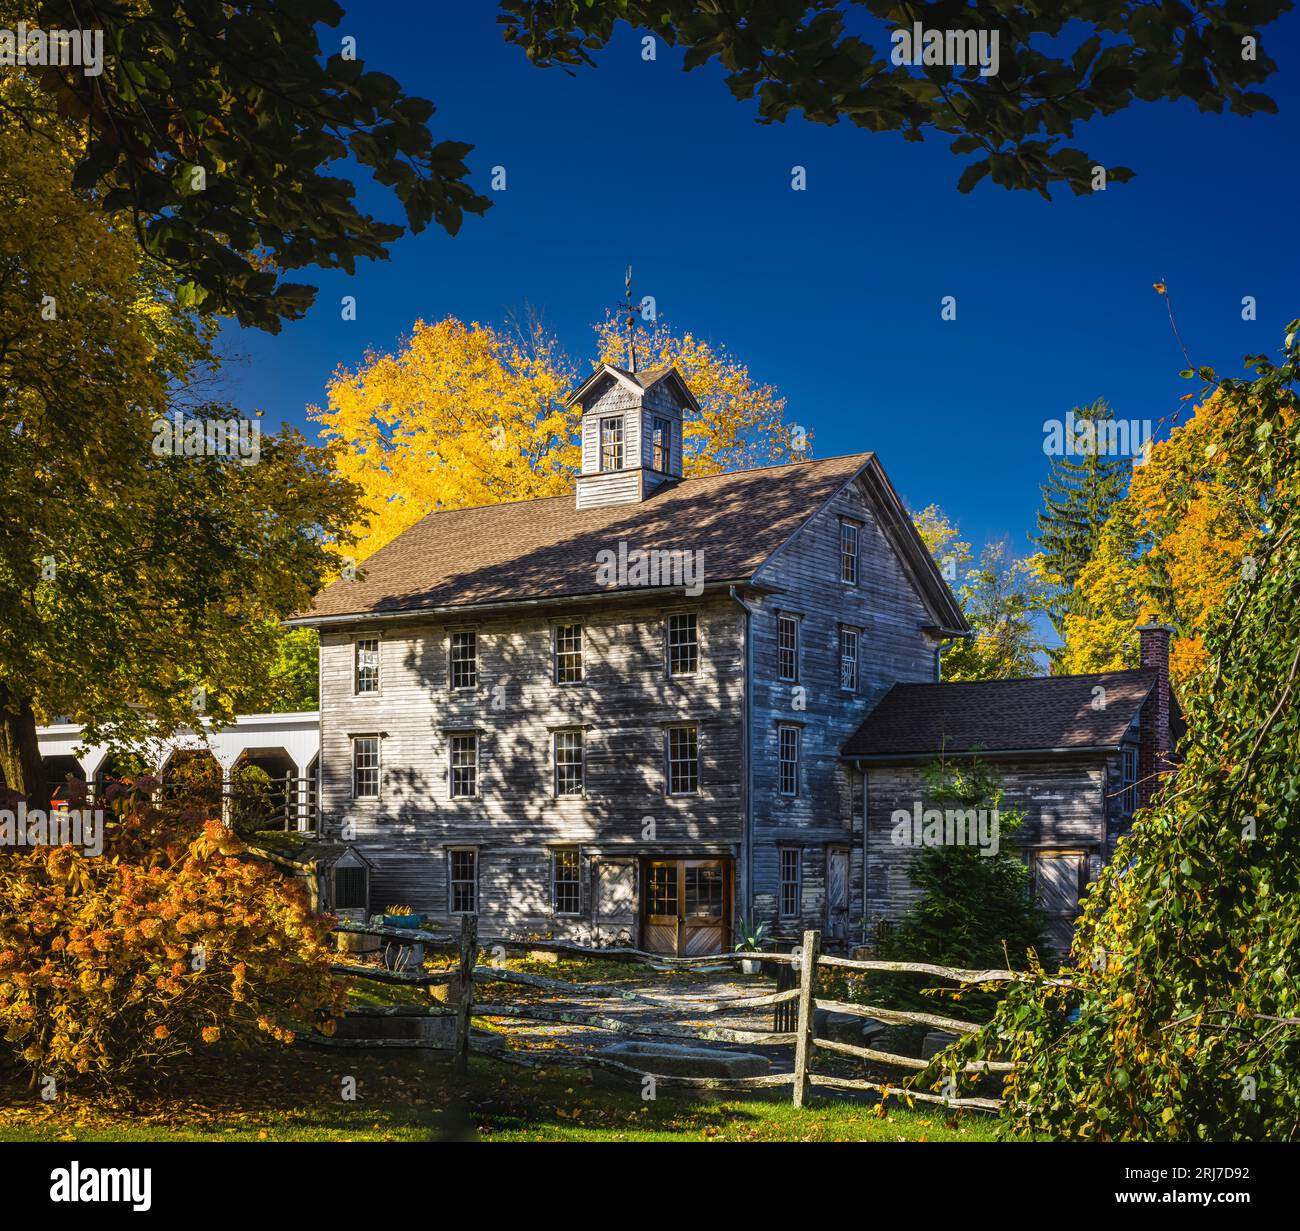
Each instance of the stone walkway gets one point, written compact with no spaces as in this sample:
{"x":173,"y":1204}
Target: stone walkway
{"x":651,"y":997}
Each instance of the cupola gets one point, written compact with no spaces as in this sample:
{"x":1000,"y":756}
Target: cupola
{"x":631,"y":433}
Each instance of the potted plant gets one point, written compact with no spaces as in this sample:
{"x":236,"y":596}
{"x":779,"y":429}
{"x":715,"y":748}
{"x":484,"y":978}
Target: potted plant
{"x":753,"y":939}
{"x":401,"y":954}
{"x":401,"y":917}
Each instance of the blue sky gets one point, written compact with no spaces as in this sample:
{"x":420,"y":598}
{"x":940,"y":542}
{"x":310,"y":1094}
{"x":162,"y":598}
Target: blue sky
{"x":832,"y":294}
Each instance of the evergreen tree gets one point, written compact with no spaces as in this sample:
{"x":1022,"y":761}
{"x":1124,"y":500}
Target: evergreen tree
{"x":975,"y":910}
{"x":1077,"y":499}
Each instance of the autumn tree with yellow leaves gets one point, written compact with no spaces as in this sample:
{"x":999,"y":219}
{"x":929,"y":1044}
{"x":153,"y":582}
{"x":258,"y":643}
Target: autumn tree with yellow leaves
{"x":469,"y":414}
{"x":1174,"y":550}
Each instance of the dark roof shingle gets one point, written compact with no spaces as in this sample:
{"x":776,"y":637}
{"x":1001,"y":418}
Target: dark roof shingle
{"x":539,"y":549}
{"x":1054,"y":711}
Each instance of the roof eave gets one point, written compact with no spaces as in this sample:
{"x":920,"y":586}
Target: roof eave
{"x":468,"y":610}
{"x":989,"y":754}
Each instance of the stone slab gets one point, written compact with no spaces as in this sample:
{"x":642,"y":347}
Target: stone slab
{"x":676,"y":1060}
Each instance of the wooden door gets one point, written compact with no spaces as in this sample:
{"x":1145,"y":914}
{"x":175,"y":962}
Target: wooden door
{"x":615,"y":913}
{"x":1059,"y":880}
{"x":686,"y":906}
{"x":837,"y":893}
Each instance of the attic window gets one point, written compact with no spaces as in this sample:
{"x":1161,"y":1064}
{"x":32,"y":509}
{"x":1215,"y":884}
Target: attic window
{"x":849,"y":552}
{"x":611,"y":444}
{"x":661,"y":445}
{"x":1128,"y":797}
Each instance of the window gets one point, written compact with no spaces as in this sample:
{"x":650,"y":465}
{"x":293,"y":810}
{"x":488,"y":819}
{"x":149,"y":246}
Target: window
{"x":464,"y":659}
{"x":1128,"y":798}
{"x":367,"y":665}
{"x":566,"y":884}
{"x":683,"y":760}
{"x":350,"y":889}
{"x":790,"y":884}
{"x":787,"y":648}
{"x":662,"y":890}
{"x":464,"y":766}
{"x":611,"y":444}
{"x":462,"y":879}
{"x":788,"y":739}
{"x":849,"y":659}
{"x":683,"y":645}
{"x":849,"y":552}
{"x":365,"y":767}
{"x":661,"y":445}
{"x":568,"y":653}
{"x":703,"y":892}
{"x":568,"y":763}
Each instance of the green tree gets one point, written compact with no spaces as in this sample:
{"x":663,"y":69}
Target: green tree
{"x":1077,"y":501}
{"x":137,"y":584}
{"x":1001,"y":598}
{"x":297,"y":671}
{"x":1181,"y":1015}
{"x":975,"y":910}
{"x":1059,"y":65}
{"x":211,"y":132}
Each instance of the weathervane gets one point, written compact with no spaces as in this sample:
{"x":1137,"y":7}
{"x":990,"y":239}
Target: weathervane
{"x":631,"y":317}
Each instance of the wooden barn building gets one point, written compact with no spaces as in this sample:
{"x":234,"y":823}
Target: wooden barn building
{"x":649,"y":709}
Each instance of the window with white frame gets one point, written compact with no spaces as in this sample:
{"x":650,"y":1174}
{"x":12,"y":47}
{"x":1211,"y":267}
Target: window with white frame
{"x":611,"y":443}
{"x":566,"y":881}
{"x":464,"y":659}
{"x":568,"y":762}
{"x":365,"y":767}
{"x":462,"y":881}
{"x":661,"y":445}
{"x":849,"y":552}
{"x":683,"y":644}
{"x":463,"y":753}
{"x":848,"y":659}
{"x":787,"y":648}
{"x":788,"y":743}
{"x":1128,"y":797}
{"x":683,"y":760}
{"x":367,"y":665}
{"x":790,"y":882}
{"x":568,"y":653}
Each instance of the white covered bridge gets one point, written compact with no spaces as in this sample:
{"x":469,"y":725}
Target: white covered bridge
{"x":286,"y":746}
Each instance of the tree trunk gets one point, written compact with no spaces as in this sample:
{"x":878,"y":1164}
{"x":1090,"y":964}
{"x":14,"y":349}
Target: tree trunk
{"x":20,"y":754}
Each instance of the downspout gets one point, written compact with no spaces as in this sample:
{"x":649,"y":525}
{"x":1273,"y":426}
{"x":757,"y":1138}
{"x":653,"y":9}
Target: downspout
{"x":747,"y":720}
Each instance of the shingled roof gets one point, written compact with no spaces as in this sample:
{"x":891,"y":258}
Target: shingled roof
{"x":1022,"y":715}
{"x":547,"y":549}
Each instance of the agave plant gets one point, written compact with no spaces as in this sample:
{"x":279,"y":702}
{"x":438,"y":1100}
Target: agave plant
{"x":753,"y":937}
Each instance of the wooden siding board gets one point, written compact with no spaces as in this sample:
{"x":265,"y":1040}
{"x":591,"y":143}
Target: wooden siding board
{"x":623,"y":703}
{"x":1062,"y":803}
{"x":887,"y":609}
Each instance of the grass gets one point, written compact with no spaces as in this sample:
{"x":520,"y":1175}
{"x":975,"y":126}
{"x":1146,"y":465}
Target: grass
{"x":296,"y":1095}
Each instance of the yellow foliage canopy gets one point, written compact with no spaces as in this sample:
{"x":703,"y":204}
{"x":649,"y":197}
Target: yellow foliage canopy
{"x":465,"y":415}
{"x":1172,"y":550}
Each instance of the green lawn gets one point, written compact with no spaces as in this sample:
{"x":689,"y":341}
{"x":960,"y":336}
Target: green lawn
{"x":296,"y":1095}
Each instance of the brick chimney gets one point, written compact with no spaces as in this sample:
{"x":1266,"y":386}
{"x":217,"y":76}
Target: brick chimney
{"x":1153,"y":743}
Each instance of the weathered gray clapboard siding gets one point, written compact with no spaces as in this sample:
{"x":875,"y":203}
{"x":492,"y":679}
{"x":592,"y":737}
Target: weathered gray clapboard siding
{"x":1118,"y":822}
{"x":887,"y":609}
{"x":623,"y":703}
{"x":1062,"y":800}
{"x":660,"y":402}
{"x":615,"y":400}
{"x":620,"y":487}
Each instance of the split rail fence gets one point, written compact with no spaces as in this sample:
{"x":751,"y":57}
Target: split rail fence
{"x":793,"y":1006}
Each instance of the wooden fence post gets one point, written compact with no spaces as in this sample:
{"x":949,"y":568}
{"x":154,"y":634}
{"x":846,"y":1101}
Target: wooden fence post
{"x":803,"y":1039}
{"x":468,"y":952}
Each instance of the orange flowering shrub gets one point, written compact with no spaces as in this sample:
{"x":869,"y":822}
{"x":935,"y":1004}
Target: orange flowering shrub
{"x":113,"y":966}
